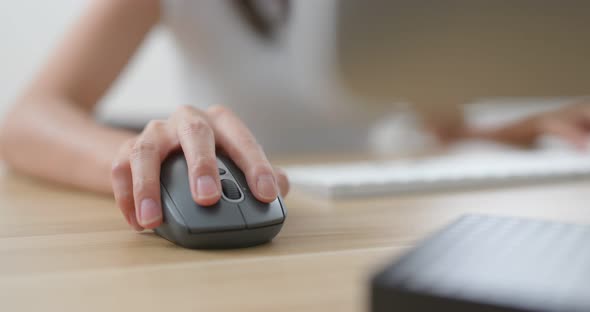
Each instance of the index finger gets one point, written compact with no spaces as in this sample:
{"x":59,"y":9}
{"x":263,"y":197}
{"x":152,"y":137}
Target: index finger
{"x":198,"y":144}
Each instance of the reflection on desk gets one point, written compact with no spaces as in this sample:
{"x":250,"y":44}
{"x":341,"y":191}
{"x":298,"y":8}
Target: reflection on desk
{"x":64,"y":250}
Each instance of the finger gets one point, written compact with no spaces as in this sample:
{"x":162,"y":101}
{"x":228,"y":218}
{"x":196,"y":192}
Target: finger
{"x":521,"y":133}
{"x":585,"y":118}
{"x":145,"y":158}
{"x":568,"y":131}
{"x":235,"y":138}
{"x":282,"y":180}
{"x":123,"y":185}
{"x":198,"y":144}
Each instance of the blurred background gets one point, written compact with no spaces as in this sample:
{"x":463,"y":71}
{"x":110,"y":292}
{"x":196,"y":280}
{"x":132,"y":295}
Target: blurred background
{"x":368,"y":57}
{"x":31,"y":29}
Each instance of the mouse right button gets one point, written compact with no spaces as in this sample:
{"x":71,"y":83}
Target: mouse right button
{"x":258,"y":214}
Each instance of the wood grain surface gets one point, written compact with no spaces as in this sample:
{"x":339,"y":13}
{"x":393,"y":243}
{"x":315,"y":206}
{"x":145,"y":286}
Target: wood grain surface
{"x":65,"y":250}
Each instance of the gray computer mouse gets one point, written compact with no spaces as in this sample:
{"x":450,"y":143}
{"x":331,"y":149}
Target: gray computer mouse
{"x":237,"y":220}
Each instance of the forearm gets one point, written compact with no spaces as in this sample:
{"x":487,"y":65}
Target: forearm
{"x":50,"y":133}
{"x":55,"y":140}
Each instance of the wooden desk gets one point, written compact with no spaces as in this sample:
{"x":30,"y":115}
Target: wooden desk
{"x":62,"y":250}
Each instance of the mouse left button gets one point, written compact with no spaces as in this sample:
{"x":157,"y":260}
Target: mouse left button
{"x":222,"y":216}
{"x":170,"y":213}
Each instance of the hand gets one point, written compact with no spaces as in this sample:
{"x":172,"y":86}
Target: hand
{"x":446,"y":123}
{"x":135,"y":172}
{"x":571,"y":123}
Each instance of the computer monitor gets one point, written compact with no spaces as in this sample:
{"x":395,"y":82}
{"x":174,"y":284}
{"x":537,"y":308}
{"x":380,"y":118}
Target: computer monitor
{"x":439,"y":53}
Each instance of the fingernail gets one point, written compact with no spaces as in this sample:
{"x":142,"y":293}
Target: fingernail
{"x":266,"y":186}
{"x":206,"y":187}
{"x":149,"y":211}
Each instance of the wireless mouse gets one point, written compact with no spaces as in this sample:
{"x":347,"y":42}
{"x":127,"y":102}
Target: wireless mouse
{"x":237,"y":220}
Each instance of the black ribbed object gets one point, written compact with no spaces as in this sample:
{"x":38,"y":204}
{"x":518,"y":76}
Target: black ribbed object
{"x":486,"y":263}
{"x":230,"y":189}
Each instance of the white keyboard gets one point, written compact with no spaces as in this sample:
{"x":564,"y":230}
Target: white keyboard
{"x":457,"y":170}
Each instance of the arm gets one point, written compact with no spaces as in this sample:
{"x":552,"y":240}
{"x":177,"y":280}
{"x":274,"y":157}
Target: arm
{"x":570,"y":123}
{"x":50,"y":132}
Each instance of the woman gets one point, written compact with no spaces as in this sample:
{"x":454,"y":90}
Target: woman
{"x":53,"y":117}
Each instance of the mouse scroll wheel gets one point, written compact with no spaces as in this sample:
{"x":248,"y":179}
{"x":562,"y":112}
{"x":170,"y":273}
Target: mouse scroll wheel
{"x":230,"y":189}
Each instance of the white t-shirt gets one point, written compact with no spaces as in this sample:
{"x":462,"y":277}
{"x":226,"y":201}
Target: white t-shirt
{"x":282,"y":89}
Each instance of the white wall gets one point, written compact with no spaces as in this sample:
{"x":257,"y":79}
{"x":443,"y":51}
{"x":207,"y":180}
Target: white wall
{"x":30,"y":28}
